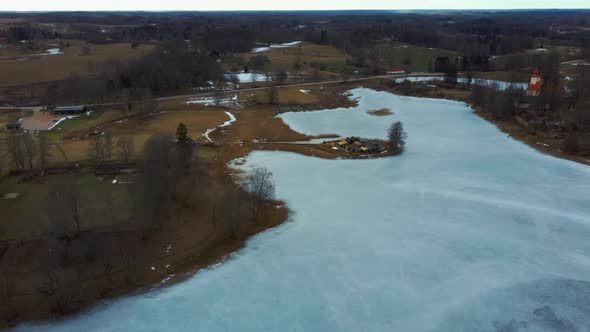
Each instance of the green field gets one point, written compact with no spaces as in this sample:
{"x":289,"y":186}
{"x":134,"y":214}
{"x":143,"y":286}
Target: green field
{"x":66,"y":126}
{"x":413,"y":58}
{"x":29,"y":215}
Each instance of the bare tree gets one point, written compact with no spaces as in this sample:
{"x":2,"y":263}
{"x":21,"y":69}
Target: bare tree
{"x":396,"y":135}
{"x":44,"y":153}
{"x":16,"y":150}
{"x":281,"y":76}
{"x":128,"y":255}
{"x":155,"y":187}
{"x":274,"y":95}
{"x":65,"y":206}
{"x":125,"y":144}
{"x":235,"y":212}
{"x":30,"y":148}
{"x":108,"y":146}
{"x":218,"y":96}
{"x":261,"y":186}
{"x":96,"y":149}
{"x":299,"y":61}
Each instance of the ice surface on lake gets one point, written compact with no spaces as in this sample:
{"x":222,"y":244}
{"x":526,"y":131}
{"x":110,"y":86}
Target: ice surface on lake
{"x":468,"y":230}
{"x":502,"y":85}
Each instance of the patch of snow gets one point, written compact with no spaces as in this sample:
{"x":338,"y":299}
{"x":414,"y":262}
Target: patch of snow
{"x":54,"y":51}
{"x":208,"y":132}
{"x":210,"y":101}
{"x":267,"y":48}
{"x":62,"y":120}
{"x":232,"y":119}
{"x":10,"y":196}
{"x":114,"y":181}
{"x":304,"y":91}
{"x":248,"y":77}
{"x":260,"y":49}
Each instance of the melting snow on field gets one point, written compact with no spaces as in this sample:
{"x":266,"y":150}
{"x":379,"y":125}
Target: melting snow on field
{"x":210,"y":101}
{"x":62,"y":120}
{"x":54,"y":51}
{"x":267,"y":48}
{"x":249,"y":77}
{"x":467,"y":230}
{"x":227,"y":123}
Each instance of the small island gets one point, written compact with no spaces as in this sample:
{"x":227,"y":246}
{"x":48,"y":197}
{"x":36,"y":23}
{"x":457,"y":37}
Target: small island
{"x":345,"y":148}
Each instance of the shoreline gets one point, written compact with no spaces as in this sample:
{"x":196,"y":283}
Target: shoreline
{"x":189,"y":257}
{"x":221,"y":249}
{"x":541,"y":143}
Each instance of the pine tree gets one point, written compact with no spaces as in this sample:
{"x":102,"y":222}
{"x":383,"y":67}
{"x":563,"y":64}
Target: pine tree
{"x":182,"y":134}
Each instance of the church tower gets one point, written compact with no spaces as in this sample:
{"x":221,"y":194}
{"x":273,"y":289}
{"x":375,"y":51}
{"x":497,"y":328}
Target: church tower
{"x":536,"y":84}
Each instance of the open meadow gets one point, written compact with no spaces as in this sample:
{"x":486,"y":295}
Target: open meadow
{"x":21,"y":68}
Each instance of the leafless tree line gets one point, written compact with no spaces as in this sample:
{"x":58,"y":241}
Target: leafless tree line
{"x":27,"y":152}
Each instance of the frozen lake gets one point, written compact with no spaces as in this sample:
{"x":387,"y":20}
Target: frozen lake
{"x":468,"y":230}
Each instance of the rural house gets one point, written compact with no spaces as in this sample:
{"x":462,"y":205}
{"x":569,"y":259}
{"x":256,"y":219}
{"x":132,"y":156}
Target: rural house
{"x":396,"y":71}
{"x":68,"y":110}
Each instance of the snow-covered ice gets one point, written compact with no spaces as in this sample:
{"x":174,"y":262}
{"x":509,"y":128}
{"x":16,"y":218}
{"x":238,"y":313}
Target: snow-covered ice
{"x":467,"y":230}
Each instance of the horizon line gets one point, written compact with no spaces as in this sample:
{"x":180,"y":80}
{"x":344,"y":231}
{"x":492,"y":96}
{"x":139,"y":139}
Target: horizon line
{"x":279,"y":10}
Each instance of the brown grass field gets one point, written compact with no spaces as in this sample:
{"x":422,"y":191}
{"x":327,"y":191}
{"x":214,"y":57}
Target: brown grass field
{"x":22,"y":69}
{"x":286,"y":58}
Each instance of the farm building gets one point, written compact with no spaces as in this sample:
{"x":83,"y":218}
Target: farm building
{"x":68,"y":110}
{"x":396,"y":71}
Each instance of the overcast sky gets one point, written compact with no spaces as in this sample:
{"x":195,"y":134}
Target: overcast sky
{"x":39,"y":5}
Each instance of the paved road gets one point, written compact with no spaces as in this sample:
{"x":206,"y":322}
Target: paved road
{"x":361,"y":79}
{"x":207,"y":94}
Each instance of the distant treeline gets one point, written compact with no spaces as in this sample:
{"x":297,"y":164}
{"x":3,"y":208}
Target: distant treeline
{"x":470,"y":33}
